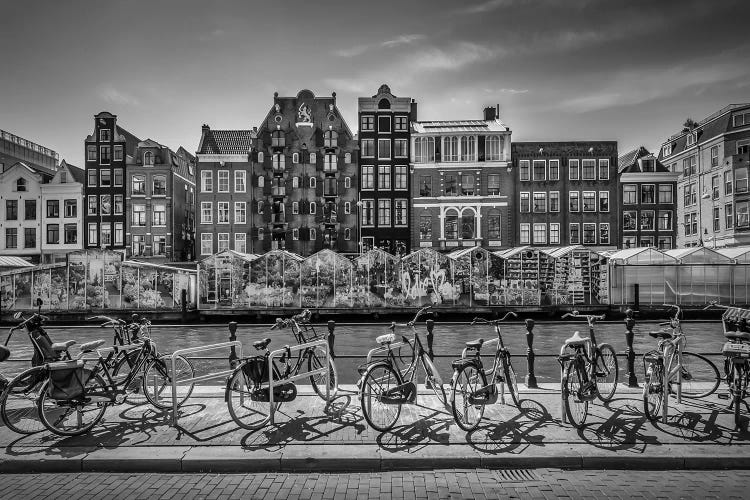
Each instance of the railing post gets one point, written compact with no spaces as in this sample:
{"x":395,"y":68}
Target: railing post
{"x":183,"y":303}
{"x":232,"y":337}
{"x":629,"y":325}
{"x":530,"y":377}
{"x":331,"y":337}
{"x":430,"y":337}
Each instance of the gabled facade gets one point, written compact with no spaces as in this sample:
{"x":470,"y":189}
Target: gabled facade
{"x":712,"y":158}
{"x":461,"y":183}
{"x":384,"y":179}
{"x":566,"y":193}
{"x":61,"y":214}
{"x":648,"y":201}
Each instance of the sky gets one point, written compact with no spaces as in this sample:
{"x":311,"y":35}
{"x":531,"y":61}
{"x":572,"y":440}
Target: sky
{"x":625,"y":70}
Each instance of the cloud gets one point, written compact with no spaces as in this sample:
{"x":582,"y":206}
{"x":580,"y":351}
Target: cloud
{"x":453,"y":57}
{"x":212,"y":35}
{"x":387,"y":44}
{"x":486,"y":6}
{"x":505,"y":91}
{"x":353,"y":85}
{"x":114,"y":96}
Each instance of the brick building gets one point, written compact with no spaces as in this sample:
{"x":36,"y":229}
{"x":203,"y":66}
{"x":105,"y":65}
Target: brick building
{"x":648,"y":202}
{"x":712,"y":158}
{"x":384,"y":180}
{"x":461,"y":183}
{"x":566,"y":193}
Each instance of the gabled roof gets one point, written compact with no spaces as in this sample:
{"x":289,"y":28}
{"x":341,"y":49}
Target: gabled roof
{"x":12,"y":261}
{"x":698,"y":255}
{"x":131,"y":141}
{"x":643,"y":255}
{"x":227,"y":142}
{"x":630,"y":160}
{"x":181,"y":151}
{"x":740,"y":254}
{"x":458,"y":126}
{"x":32,"y":168}
{"x":560,"y":251}
{"x":78,"y":174}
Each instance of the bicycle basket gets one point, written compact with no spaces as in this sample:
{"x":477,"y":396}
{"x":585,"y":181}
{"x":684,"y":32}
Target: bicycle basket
{"x":256,"y":369}
{"x":66,"y":379}
{"x":736,"y":350}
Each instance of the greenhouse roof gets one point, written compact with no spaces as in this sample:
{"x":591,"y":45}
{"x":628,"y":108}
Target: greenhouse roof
{"x":461,"y":252}
{"x":512,"y":252}
{"x":560,"y":251}
{"x":643,"y":255}
{"x":243,"y":256}
{"x":735,"y":252}
{"x":283,"y":253}
{"x":137,"y":263}
{"x":11,"y":261}
{"x":698,"y":255}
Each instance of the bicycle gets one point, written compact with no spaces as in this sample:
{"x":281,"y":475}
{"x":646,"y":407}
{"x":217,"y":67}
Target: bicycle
{"x":384,"y":388}
{"x":669,"y":365}
{"x":470,"y":390}
{"x":587,"y":373}
{"x":74,"y":398}
{"x":247,"y":392}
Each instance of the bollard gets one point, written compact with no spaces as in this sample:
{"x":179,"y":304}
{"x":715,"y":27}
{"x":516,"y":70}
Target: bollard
{"x":183,"y":302}
{"x":232,"y":337}
{"x":629,"y":325}
{"x":331,"y":337}
{"x":430,"y":337}
{"x":530,"y":377}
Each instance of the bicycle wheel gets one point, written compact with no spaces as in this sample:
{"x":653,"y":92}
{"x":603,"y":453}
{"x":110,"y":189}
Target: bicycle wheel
{"x":77,"y":416}
{"x":433,"y":380}
{"x":158,"y":376}
{"x":606,"y":372}
{"x":700,"y":377}
{"x":653,"y":391}
{"x":737,"y":398}
{"x":576,"y":408}
{"x":247,"y":409}
{"x":315,"y":361}
{"x":123,"y":365}
{"x":18,"y":403}
{"x":467,"y":381}
{"x":511,"y":381}
{"x":379,"y":378}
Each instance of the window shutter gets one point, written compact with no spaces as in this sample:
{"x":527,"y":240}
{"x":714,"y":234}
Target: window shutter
{"x":267,"y":208}
{"x":319,"y":188}
{"x":438,"y":147}
{"x":480,"y":148}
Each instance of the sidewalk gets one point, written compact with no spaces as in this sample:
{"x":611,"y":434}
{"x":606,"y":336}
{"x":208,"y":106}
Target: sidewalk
{"x":307,"y":436}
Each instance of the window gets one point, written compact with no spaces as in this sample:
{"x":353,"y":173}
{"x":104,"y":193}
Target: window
{"x":665,"y":220}
{"x":160,"y":245}
{"x":368,"y":147}
{"x":93,"y":205}
{"x":402,"y":177}
{"x":295,"y":207}
{"x":450,"y":148}
{"x":629,"y":194}
{"x":159,"y":215}
{"x":295,"y":158}
{"x":630,"y":220}
{"x":689,"y":166}
{"x":384,"y":178}
{"x":29,"y":209}
{"x":29,"y":237}
{"x":743,"y":147}
{"x":71,"y":234}
{"x":118,"y":177}
{"x":384,"y":149}
{"x":222,"y":212}
{"x":424,"y":149}
{"x":347,"y":207}
{"x":71,"y":208}
{"x":53,"y":209}
{"x":223,"y":181}
{"x":295,"y":182}
{"x":105,"y":177}
{"x":691,"y":138}
{"x":240,"y":242}
{"x":468,"y":225}
{"x":11,"y":209}
{"x":207,"y":243}
{"x":368,"y":181}
{"x":524,"y":168}
{"x":139,"y":215}
{"x":53,"y":234}
{"x":588,"y":168}
{"x":714,"y":156}
{"x":207,"y":181}
{"x":540,"y":170}
{"x":589,"y":201}
{"x":105,"y":135}
{"x":347,"y":233}
{"x":450,"y":228}
{"x":554,"y":201}
{"x":262,"y":181}
{"x":540,"y":234}
{"x":119,"y":205}
{"x":727,"y":182}
{"x":740,"y":180}
{"x":468,"y":148}
{"x":425,"y":185}
{"x":589,"y":234}
{"x":400,"y":211}
{"x":347,"y":158}
{"x":119,"y":234}
{"x":525,"y":204}
{"x":728,"y":216}
{"x":647,"y":220}
{"x":313,"y":234}
{"x":118,"y":153}
{"x":687,"y":225}
{"x":665,"y":194}
{"x":313,"y":183}
{"x":260,"y":207}
{"x":604,"y":169}
{"x":295,"y":234}
{"x":425,"y":227}
{"x":367,"y":213}
{"x":493,"y":226}
{"x":450,"y":185}
{"x":575,"y":201}
{"x":743,"y":218}
{"x":525,"y":233}
{"x":92,"y":177}
{"x":629,"y":242}
{"x":554,"y":234}
{"x":106,"y":234}
{"x":647,"y":194}
{"x":223,"y":240}
{"x":604,"y":201}
{"x":467,"y":185}
{"x":368,"y":123}
{"x":665,"y":242}
{"x":278,"y":162}
{"x":717,"y":219}
{"x":554,"y":171}
{"x":384,"y":213}
{"x":493,"y":148}
{"x":11,"y":237}
{"x":604,"y":233}
{"x":400,"y":148}
{"x":261,"y":233}
{"x":573,"y":170}
{"x":105,"y":204}
{"x":540,"y":202}
{"x":160,"y":185}
{"x":105,"y":155}
{"x":148,"y":158}
{"x":715,"y":187}
{"x":91,"y":153}
{"x":240,"y":212}
{"x":330,"y":163}
{"x":94,"y":234}
{"x":493,"y":184}
{"x":313,"y":208}
{"x":402,"y":124}
{"x":139,"y":184}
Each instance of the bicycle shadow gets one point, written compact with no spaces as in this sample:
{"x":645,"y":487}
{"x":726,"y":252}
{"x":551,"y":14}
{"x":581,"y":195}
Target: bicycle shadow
{"x":699,"y":421}
{"x":621,"y":430}
{"x":417,"y":433}
{"x":513,"y":435}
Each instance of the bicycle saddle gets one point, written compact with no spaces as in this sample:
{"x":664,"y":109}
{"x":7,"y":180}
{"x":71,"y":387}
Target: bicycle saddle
{"x":4,"y":353}
{"x":90,"y":346}
{"x":475,"y":344}
{"x":62,"y":346}
{"x":576,"y":339}
{"x":738,"y":336}
{"x":386,"y":339}
{"x":661,"y":334}
{"x":261,"y":344}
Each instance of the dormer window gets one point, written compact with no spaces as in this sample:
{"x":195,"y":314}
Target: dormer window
{"x":148,"y":158}
{"x":21,"y":184}
{"x":667,"y":149}
{"x":691,"y":138}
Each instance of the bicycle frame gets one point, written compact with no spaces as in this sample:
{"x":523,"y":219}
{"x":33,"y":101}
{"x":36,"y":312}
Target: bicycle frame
{"x":112,"y":388}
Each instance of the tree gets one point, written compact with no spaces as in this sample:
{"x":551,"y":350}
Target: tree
{"x":689,"y":125}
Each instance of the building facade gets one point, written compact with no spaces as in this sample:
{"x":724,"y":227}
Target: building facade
{"x":712,"y":158}
{"x":461,"y":183}
{"x":61,"y":214}
{"x":566,"y":193}
{"x":304,"y":189}
{"x":384,"y":180}
{"x":648,"y":201}
{"x":225,"y":160}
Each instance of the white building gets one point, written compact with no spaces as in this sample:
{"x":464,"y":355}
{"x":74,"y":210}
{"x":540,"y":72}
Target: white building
{"x":62,"y":214}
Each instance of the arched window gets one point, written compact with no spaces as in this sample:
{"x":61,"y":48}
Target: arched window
{"x":493,"y":148}
{"x":260,"y":234}
{"x":424,"y":149}
{"x":451,"y":224}
{"x":295,"y":182}
{"x":295,"y":157}
{"x":313,"y":182}
{"x":148,"y":158}
{"x":468,"y":225}
{"x":330,"y":139}
{"x":468,"y":148}
{"x":21,"y":184}
{"x":347,"y":158}
{"x":261,"y":181}
{"x":313,"y":207}
{"x":260,"y":207}
{"x":384,"y":104}
{"x":450,"y":149}
{"x":160,"y":185}
{"x":260,"y":156}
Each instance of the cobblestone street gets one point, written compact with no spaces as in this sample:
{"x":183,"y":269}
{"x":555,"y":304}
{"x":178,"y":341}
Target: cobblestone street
{"x":537,"y":483}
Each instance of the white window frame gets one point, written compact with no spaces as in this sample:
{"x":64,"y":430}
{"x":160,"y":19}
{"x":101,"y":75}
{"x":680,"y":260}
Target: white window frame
{"x":313,"y":208}
{"x":583,"y":238}
{"x":591,"y":194}
{"x":219,"y":205}
{"x":154,"y":211}
{"x":347,"y":207}
{"x":295,"y":207}
{"x":295,"y":233}
{"x":593,"y":177}
{"x":240,"y":237}
{"x":210,"y":212}
{"x":222,"y":238}
{"x":524,"y":164}
{"x":557,"y":195}
{"x":574,"y":165}
{"x":240,"y":175}
{"x":390,"y":152}
{"x":219,"y":175}
{"x":207,"y":175}
{"x":603,"y":162}
{"x":557,"y":170}
{"x":603,"y":225}
{"x":603,"y":195}
{"x":539,"y":226}
{"x":347,"y":182}
{"x":554,"y":230}
{"x":570,"y":233}
{"x":240,"y":208}
{"x":405,"y":203}
{"x":533,"y":170}
{"x":524,"y":227}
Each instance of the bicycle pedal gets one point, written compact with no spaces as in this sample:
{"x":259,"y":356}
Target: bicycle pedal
{"x":722,"y":396}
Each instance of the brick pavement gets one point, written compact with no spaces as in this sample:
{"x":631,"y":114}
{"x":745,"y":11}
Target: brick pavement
{"x":470,"y":483}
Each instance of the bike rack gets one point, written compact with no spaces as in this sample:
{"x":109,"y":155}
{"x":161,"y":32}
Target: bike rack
{"x":298,"y":376}
{"x":490,"y":343}
{"x":210,"y":376}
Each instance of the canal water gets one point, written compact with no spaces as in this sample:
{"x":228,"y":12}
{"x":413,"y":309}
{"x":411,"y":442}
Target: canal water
{"x":353,"y":341}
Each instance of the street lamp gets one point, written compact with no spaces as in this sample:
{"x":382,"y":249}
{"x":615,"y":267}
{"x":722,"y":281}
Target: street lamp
{"x":359,"y":226}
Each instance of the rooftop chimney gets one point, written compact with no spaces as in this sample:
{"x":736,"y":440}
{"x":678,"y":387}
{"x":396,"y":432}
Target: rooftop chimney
{"x":490,"y":113}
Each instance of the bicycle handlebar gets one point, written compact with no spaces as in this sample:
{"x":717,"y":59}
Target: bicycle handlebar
{"x":679,"y":310}
{"x":493,"y":321}
{"x":590,"y":318}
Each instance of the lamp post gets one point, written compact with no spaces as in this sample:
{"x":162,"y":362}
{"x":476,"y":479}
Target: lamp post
{"x":359,"y":226}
